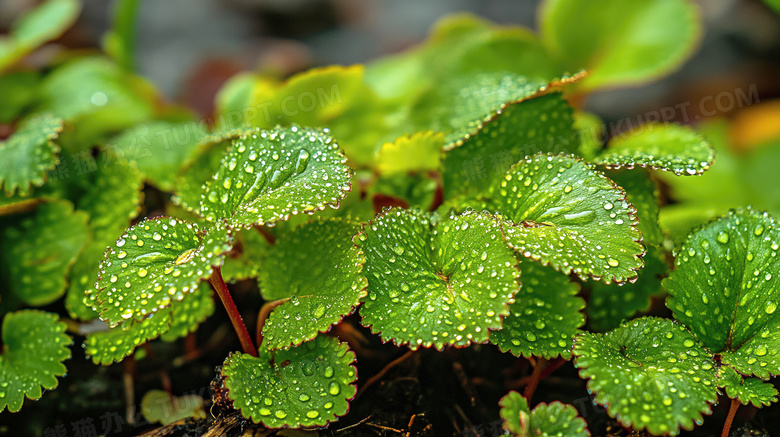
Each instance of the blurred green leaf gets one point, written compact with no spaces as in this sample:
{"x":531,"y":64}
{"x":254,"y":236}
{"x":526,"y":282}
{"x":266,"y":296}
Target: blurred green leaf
{"x":37,"y":26}
{"x":158,"y":149}
{"x":29,"y":153}
{"x":620,"y":43}
{"x":38,"y":251}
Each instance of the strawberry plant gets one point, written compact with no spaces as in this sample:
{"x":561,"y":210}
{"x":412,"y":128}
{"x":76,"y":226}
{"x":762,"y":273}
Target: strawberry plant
{"x":446,"y":200}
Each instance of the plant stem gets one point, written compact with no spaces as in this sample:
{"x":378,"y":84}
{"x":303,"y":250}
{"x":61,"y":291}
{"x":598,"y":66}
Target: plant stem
{"x":269,"y":237}
{"x":536,"y":376}
{"x":730,"y":418}
{"x":235,"y":317}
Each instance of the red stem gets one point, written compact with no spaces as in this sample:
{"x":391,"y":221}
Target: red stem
{"x":730,"y":418}
{"x":536,"y":376}
{"x":235,"y":317}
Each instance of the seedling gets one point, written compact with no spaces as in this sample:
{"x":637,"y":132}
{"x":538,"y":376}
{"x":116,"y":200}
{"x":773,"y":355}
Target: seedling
{"x":445,"y":199}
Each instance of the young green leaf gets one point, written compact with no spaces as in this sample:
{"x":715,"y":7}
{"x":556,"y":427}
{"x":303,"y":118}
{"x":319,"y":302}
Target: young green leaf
{"x":567,"y":215}
{"x":553,"y":420}
{"x":177,"y":320}
{"x":518,"y":130}
{"x":268,"y":176}
{"x":610,"y":304}
{"x":620,"y":43}
{"x":649,"y":373}
{"x":304,"y":386}
{"x":752,"y":391}
{"x":723,"y":288}
{"x":436,"y":283}
{"x":158,"y":149}
{"x":38,"y":252}
{"x":29,"y":153}
{"x":670,"y":147}
{"x":642,"y":192}
{"x":37,"y":26}
{"x":411,"y":153}
{"x":156,"y":262}
{"x":34,"y":347}
{"x":545,"y":317}
{"x":320,"y":270}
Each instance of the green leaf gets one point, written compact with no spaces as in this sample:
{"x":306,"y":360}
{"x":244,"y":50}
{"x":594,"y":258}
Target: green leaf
{"x":436,"y":283}
{"x":36,"y":27}
{"x":312,"y":97}
{"x":610,"y":304}
{"x":158,"y":149}
{"x":177,"y":320}
{"x":155,"y":263}
{"x":38,"y":252}
{"x":17,"y":204}
{"x":553,"y":420}
{"x":113,"y":345}
{"x":411,"y":153}
{"x":747,"y":390}
{"x":112,"y":198}
{"x":34,"y":347}
{"x":245,"y":259}
{"x":545,"y":317}
{"x":29,"y":153}
{"x":459,"y":107}
{"x":159,"y":406}
{"x":97,"y":97}
{"x":591,"y":130}
{"x":320,"y":270}
{"x":305,"y":386}
{"x":417,"y":190}
{"x":569,"y":216}
{"x":270,"y":175}
{"x":201,"y":170}
{"x":519,"y":130}
{"x":621,"y":43}
{"x":642,"y":192}
{"x":649,"y":373}
{"x":723,"y":288}
{"x":19,"y":92}
{"x":670,"y":147}
{"x":188,"y":314}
